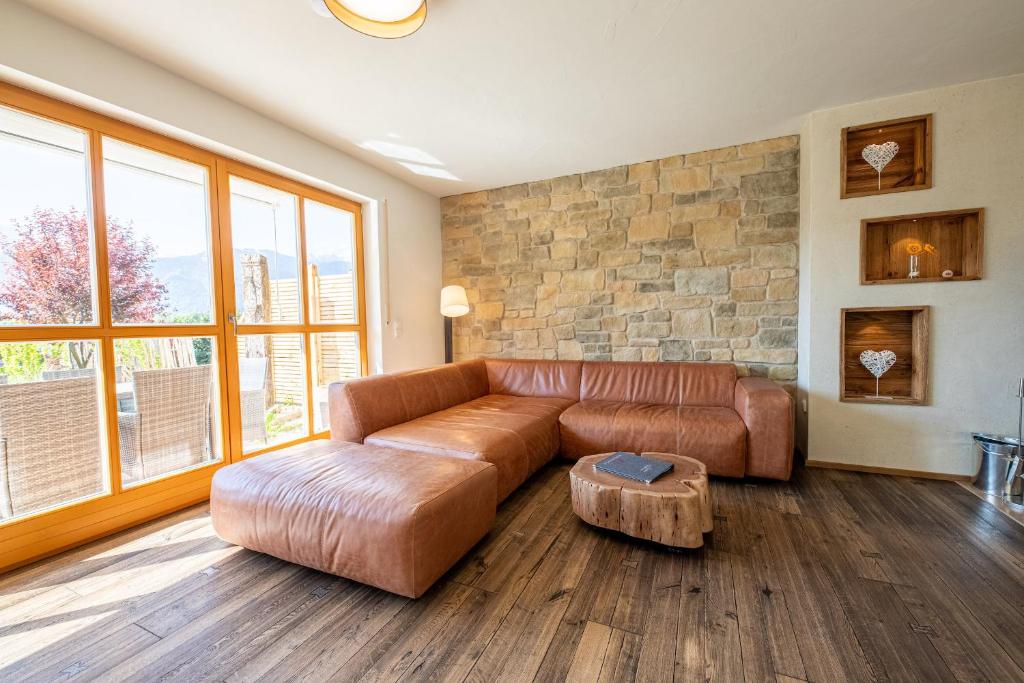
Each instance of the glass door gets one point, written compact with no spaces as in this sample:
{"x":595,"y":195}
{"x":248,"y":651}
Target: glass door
{"x":111,"y":334}
{"x":294,"y":301}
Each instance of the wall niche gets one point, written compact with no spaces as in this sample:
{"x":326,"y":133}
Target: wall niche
{"x":901,"y":329}
{"x":909,"y":169}
{"x":925,"y":247}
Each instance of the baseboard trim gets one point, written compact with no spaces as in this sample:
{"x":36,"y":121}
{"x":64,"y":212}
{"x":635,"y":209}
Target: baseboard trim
{"x":891,"y":471}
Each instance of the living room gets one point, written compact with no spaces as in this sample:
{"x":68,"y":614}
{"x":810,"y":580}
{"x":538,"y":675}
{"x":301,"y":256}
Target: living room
{"x":429,"y":339}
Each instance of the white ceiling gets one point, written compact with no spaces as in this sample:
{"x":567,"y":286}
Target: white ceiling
{"x":497,"y":92}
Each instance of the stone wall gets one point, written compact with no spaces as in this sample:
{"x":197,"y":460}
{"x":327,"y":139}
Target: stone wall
{"x":692,"y":257}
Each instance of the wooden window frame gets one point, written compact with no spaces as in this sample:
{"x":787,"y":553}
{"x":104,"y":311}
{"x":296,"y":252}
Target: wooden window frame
{"x":226,"y":169}
{"x":32,"y":537}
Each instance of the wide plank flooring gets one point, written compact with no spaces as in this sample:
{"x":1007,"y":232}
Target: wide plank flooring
{"x":834,"y":576}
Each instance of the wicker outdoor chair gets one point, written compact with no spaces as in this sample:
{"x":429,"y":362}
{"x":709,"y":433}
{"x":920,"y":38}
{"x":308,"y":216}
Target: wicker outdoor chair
{"x":49,"y":444}
{"x":252,"y":376}
{"x":170,"y":428}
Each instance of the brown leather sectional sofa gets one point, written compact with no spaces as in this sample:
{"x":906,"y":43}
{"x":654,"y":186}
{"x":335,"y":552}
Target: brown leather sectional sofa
{"x":518,"y":414}
{"x":419,"y":460}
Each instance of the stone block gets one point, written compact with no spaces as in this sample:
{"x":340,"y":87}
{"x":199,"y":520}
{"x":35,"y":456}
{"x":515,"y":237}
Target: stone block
{"x":775,"y":256}
{"x":608,"y":177}
{"x":613,"y":259}
{"x":727,"y":257}
{"x":735,"y":327}
{"x":627,"y":207}
{"x":649,"y":227}
{"x":563,"y":249}
{"x":526,"y":339}
{"x":489,"y":310}
{"x":646,"y":170}
{"x":694,"y":212}
{"x":769,"y":184}
{"x":641,"y":271}
{"x":692,"y":281}
{"x":634,"y":302}
{"x":627,"y":353}
{"x":566,"y":184}
{"x":779,"y":338}
{"x":685,"y":180}
{"x":749,"y":277}
{"x":715,"y":233}
{"x":739,"y":167}
{"x":647,"y":330}
{"x":691,"y":324}
{"x":676,"y":350}
{"x":784,"y":289}
{"x":570,"y":349}
{"x":583,"y":280}
{"x":748,"y":294}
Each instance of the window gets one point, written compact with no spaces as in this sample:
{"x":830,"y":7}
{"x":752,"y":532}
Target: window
{"x":47,"y":247}
{"x":163,"y":311}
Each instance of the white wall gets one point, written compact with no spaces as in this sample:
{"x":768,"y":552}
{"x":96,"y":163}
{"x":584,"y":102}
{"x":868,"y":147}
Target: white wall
{"x":977,"y":347}
{"x":46,"y":55}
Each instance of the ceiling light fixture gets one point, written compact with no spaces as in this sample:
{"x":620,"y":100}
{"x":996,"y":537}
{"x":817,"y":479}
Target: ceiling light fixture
{"x":377,"y":18}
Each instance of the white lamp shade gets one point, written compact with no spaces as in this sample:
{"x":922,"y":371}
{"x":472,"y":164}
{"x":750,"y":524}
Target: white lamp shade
{"x":454,"y":302}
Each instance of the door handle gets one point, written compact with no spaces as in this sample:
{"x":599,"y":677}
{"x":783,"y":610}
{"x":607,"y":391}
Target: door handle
{"x":233,"y":319}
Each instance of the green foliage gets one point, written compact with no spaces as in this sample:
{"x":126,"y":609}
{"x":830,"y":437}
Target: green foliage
{"x":26,"y":361}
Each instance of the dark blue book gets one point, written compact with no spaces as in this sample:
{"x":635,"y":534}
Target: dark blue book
{"x":635,"y":467}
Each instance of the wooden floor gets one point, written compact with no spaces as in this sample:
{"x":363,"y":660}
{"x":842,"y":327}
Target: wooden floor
{"x":835,"y":576}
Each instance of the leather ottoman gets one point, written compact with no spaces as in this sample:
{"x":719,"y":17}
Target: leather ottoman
{"x":393,"y":519}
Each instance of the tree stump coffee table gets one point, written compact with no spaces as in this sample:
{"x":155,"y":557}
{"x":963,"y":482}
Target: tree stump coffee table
{"x":674,"y":510}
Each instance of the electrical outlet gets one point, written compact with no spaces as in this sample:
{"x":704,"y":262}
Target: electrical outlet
{"x":803,"y":404}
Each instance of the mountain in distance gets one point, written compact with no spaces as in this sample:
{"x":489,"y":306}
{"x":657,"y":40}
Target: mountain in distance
{"x":188,"y":278}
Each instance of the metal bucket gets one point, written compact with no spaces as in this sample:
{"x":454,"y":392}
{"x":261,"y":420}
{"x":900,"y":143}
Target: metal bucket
{"x":996,"y":458}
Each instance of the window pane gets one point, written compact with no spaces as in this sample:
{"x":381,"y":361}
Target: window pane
{"x":167,"y":405}
{"x":51,"y":450}
{"x":330,"y":245}
{"x":264,"y":232}
{"x":272,"y":380}
{"x":46,"y":237}
{"x":336,"y":358}
{"x":158,"y":237}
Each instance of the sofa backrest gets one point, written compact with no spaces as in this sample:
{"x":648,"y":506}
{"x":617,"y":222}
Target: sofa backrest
{"x":675,"y":384}
{"x":545,"y":378}
{"x":363,"y":406}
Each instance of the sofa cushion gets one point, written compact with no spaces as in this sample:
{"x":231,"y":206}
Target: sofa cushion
{"x":362,"y":406}
{"x":517,"y":434}
{"x":542,"y":378}
{"x":715,"y":436}
{"x":392,"y":519}
{"x":657,"y":383}
{"x":673,"y":384}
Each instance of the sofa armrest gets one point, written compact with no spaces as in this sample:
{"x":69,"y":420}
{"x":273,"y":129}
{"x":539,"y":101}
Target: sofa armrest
{"x":344,"y":414}
{"x":767,"y":411}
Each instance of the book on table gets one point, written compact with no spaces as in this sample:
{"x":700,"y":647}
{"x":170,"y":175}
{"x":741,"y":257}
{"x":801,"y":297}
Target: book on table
{"x":635,"y":467}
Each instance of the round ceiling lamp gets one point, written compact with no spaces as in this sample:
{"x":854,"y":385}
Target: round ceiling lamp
{"x":380,"y":18}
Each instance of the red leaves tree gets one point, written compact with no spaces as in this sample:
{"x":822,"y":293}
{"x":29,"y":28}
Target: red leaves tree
{"x":47,"y":278}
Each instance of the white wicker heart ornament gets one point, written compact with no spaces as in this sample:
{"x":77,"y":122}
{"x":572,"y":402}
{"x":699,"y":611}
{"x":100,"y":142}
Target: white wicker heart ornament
{"x":879,"y":156}
{"x":878,"y":363}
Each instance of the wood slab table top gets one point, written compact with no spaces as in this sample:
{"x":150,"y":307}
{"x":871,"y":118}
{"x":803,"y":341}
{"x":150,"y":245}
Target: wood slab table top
{"x":674,"y":510}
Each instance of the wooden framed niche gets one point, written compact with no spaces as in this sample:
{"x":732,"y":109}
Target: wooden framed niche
{"x":910,"y":169}
{"x":944,"y":242}
{"x":901,"y":329}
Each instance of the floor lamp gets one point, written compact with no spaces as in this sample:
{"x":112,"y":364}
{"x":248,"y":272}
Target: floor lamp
{"x":453,"y":304}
